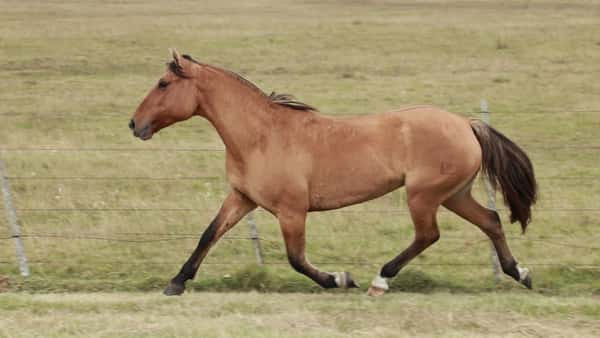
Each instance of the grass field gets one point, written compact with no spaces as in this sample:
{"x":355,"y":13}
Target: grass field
{"x":253,"y":314}
{"x":74,"y":71}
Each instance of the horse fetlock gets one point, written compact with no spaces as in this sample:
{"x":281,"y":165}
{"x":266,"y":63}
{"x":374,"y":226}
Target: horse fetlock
{"x":380,"y":282}
{"x":524,"y":277}
{"x":344,"y":280}
{"x":523,"y":273}
{"x":174,"y":289}
{"x":519,"y":273}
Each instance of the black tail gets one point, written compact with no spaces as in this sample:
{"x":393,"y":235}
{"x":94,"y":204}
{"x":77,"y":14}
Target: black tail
{"x":507,"y":165}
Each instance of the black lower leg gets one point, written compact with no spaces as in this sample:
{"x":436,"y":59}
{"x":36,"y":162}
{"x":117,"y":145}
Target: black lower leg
{"x":510,"y":268}
{"x":494,"y":231}
{"x":394,"y":266}
{"x":189,"y":269}
{"x":325,"y":280}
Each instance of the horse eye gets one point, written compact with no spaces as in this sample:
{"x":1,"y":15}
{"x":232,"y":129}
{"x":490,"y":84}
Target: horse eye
{"x":162,"y":84}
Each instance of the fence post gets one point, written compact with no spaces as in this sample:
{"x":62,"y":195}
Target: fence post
{"x":11,"y":215}
{"x":255,"y":239}
{"x":491,"y":203}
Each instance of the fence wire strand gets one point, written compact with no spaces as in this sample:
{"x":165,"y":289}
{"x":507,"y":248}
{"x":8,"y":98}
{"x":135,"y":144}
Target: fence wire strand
{"x":188,"y":236}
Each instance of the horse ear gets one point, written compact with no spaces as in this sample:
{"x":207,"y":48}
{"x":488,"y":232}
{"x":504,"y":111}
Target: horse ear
{"x":176,"y":56}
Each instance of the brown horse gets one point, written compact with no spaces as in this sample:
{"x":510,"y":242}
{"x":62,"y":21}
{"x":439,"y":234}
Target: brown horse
{"x":284,"y":157}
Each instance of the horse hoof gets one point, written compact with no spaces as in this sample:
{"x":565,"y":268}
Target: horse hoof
{"x":344,"y":280}
{"x":174,"y":289}
{"x":375,"y":291}
{"x":527,"y":282}
{"x":350,"y":283}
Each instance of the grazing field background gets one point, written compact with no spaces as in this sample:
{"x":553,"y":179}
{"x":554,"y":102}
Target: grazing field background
{"x":102,"y":211}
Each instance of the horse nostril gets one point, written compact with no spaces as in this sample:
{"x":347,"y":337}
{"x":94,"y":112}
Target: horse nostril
{"x":131,"y":124}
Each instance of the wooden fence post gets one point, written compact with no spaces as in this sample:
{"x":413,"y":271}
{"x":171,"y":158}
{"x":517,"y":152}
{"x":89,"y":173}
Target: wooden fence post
{"x":491,"y":204}
{"x":11,"y":216}
{"x":255,"y":239}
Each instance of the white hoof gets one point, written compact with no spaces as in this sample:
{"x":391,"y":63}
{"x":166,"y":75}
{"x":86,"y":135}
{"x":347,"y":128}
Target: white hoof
{"x":375,"y":291}
{"x":378,"y":287}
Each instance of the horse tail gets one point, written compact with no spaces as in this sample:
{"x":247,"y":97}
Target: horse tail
{"x":507,"y":165}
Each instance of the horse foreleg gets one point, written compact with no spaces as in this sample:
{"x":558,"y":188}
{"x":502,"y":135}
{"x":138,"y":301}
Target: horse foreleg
{"x":233,"y":209}
{"x":293,"y":229}
{"x":426,"y":233}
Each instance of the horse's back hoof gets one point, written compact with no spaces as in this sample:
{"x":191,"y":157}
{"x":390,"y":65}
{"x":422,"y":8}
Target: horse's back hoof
{"x":350,"y":283}
{"x":344,"y":280}
{"x":375,"y":291}
{"x":174,"y":289}
{"x":527,"y":282}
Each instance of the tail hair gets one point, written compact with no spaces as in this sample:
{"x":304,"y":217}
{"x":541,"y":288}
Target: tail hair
{"x":507,"y":165}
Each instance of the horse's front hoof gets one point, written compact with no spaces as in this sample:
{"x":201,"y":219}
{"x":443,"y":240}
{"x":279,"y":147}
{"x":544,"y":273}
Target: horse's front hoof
{"x":174,"y":289}
{"x":527,"y":282}
{"x":375,"y":291}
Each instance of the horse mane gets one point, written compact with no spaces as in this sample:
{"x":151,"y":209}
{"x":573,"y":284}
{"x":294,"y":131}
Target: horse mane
{"x":286,"y":100}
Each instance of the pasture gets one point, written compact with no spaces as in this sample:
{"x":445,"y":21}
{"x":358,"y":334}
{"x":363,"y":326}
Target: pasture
{"x":106,"y":216}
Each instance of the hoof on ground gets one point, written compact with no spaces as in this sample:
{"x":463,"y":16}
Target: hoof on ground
{"x":344,"y":280}
{"x":174,"y":289}
{"x":527,"y":282}
{"x":350,"y":283}
{"x":375,"y":291}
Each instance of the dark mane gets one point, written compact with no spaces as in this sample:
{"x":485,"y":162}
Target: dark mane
{"x":290,"y":101}
{"x":286,"y":100}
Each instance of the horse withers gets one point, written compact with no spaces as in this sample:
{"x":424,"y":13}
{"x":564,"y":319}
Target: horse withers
{"x":283,"y":156}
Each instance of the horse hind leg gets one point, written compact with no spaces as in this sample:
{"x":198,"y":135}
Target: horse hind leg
{"x":423,"y":213}
{"x":464,"y":205}
{"x":293,"y":230}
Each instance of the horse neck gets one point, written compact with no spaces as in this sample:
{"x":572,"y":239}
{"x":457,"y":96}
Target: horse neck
{"x":240,"y":114}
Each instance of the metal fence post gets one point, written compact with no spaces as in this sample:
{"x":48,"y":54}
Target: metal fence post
{"x":255,"y":239}
{"x":491,"y":204}
{"x":11,"y":215}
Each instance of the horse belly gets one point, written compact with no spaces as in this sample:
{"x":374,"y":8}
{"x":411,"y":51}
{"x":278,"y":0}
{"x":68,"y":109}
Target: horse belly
{"x":349,"y":189}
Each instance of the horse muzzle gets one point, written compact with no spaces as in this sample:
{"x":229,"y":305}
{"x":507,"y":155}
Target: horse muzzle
{"x":144,"y":133}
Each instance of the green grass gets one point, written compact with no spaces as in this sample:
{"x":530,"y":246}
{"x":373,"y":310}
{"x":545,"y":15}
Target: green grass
{"x":74,"y":71}
{"x":296,"y":315}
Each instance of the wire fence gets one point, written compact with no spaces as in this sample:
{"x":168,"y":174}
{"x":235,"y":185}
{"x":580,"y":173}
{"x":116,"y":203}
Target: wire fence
{"x":141,"y":238}
{"x":174,"y":236}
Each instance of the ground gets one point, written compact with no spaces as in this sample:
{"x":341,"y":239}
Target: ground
{"x":231,"y":314}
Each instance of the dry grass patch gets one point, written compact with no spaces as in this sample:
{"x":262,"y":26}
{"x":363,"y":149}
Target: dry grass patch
{"x":297,"y":315}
